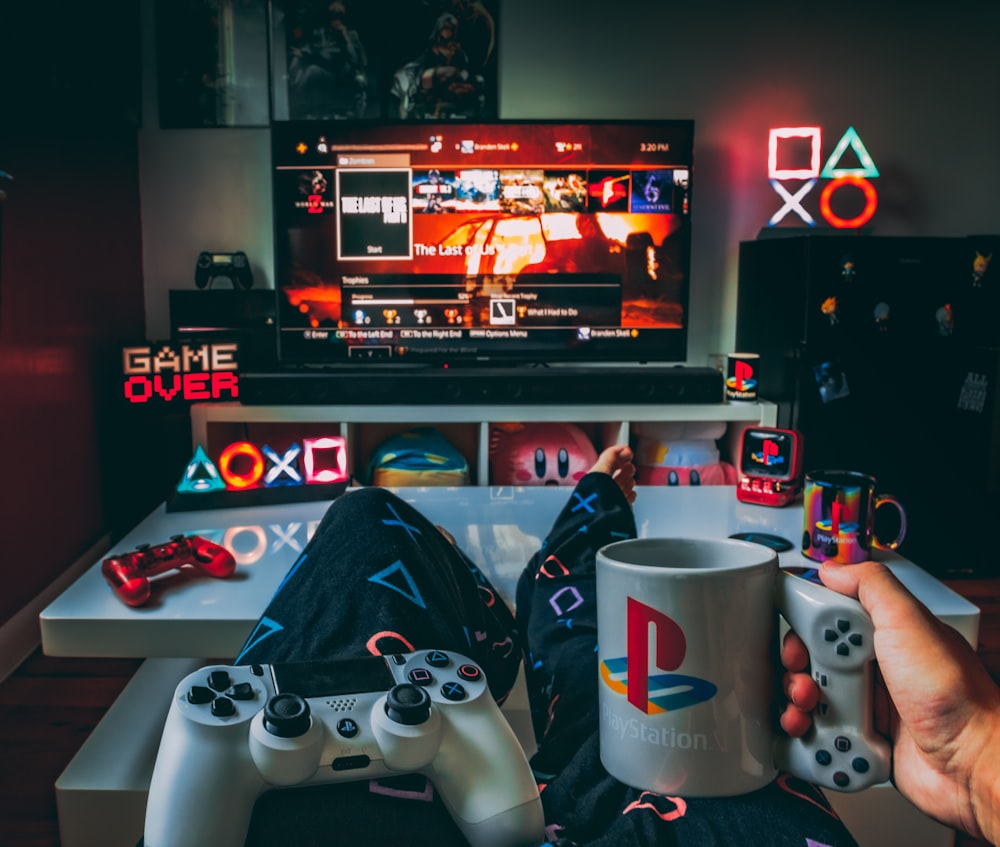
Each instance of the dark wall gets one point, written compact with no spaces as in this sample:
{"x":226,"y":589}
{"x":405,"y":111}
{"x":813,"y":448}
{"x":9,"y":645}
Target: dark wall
{"x":71,"y":288}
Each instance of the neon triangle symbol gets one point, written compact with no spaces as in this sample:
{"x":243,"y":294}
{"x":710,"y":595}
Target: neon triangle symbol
{"x":853,"y":140}
{"x":408,"y":588}
{"x":201,"y":475}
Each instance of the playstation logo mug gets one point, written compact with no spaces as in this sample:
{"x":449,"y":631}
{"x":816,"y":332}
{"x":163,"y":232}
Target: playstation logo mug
{"x":687,"y":634}
{"x":838,"y":512}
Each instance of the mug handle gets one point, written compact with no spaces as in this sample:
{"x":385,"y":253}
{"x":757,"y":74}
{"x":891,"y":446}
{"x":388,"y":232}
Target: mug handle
{"x":844,"y":752}
{"x":881,"y":500}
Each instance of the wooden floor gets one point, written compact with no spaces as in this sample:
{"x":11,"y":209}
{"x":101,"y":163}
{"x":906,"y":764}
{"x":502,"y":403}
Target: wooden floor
{"x":47,"y":709}
{"x":49,"y":706}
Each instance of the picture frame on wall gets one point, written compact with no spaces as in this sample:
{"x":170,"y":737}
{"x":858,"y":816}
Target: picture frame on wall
{"x":409,"y":60}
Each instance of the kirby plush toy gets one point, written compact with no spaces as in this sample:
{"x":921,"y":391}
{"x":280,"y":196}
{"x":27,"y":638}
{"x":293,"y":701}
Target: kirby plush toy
{"x":539,"y":454}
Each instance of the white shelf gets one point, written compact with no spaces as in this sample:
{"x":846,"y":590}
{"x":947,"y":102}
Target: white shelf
{"x":614,"y":419}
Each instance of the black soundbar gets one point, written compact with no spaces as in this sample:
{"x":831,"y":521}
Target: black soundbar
{"x":556,"y":385}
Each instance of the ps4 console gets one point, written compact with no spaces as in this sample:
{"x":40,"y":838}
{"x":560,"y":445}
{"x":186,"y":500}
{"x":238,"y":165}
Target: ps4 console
{"x":488,"y":385}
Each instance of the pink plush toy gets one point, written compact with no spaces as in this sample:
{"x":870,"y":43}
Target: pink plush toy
{"x":539,"y":454}
{"x":681,"y":453}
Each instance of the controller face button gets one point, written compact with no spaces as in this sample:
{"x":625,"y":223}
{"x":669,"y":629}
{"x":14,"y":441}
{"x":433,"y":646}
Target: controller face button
{"x":860,"y":765}
{"x":453,"y":691}
{"x":823,"y":757}
{"x":437,"y":659}
{"x":347,"y":727}
{"x":420,"y":676}
{"x":223,"y":707}
{"x":219,"y":680}
{"x":200,"y":694}
{"x":842,"y":743}
{"x":841,"y":779}
{"x":241,"y":691}
{"x":407,"y":704}
{"x":350,"y":763}
{"x":470,"y":672}
{"x":286,"y":716}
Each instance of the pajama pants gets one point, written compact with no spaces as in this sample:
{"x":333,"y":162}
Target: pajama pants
{"x":377,"y":577}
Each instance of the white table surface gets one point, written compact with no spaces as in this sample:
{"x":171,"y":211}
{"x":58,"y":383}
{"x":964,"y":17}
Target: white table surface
{"x":498,"y":527}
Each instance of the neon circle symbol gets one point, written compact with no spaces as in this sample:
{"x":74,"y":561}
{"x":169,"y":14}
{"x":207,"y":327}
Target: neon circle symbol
{"x":871,"y":202}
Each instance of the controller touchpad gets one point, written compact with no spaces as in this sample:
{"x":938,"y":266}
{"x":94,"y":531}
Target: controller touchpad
{"x":326,"y":679}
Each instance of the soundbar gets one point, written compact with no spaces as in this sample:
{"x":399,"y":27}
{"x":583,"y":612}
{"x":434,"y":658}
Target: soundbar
{"x":559,"y":386}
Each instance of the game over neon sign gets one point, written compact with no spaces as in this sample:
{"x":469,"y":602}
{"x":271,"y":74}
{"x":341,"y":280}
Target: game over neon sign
{"x":788,"y":142}
{"x":181,"y":372}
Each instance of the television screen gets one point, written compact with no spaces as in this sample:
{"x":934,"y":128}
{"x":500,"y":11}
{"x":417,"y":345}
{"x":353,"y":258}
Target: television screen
{"x":510,"y":242}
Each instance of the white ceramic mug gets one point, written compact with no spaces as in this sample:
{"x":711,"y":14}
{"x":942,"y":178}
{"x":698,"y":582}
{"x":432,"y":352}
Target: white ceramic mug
{"x":688,"y":638}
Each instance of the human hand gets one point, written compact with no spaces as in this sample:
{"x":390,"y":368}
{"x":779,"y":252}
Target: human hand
{"x":936,"y":702}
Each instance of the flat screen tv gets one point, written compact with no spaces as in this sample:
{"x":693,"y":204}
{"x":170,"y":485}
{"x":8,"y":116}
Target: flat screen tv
{"x":506,"y":243}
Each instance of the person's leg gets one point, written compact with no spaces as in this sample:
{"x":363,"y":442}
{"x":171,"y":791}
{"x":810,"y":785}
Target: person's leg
{"x":557,"y":612}
{"x":377,"y":577}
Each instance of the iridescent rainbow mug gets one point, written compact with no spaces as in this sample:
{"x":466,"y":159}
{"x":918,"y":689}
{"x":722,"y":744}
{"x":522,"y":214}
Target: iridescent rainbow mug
{"x":838,"y":510}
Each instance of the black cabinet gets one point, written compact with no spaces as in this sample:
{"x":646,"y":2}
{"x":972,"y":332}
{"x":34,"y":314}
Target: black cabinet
{"x":883,"y":351}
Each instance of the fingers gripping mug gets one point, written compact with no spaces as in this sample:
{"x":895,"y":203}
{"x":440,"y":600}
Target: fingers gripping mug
{"x":688,"y":639}
{"x":839,"y":517}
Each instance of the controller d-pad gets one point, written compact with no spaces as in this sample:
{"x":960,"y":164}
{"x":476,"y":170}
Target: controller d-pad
{"x":241,"y":691}
{"x":219,"y":680}
{"x":223,"y":707}
{"x":453,"y":691}
{"x":200,"y":694}
{"x":841,"y":634}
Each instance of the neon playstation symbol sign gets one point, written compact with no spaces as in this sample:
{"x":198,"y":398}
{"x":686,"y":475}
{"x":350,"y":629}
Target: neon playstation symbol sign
{"x":859,"y":177}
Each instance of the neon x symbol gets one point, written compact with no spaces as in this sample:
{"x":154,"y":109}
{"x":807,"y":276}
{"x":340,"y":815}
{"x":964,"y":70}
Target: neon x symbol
{"x":282,"y":464}
{"x":792,"y":203}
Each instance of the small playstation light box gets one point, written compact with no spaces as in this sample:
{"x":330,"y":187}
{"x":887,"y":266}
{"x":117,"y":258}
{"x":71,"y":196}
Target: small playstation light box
{"x":770,"y":466}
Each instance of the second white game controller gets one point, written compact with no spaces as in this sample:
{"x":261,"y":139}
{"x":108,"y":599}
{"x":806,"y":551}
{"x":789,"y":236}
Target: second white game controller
{"x":234,"y":732}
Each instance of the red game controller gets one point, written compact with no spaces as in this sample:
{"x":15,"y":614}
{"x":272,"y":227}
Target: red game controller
{"x":128,"y":574}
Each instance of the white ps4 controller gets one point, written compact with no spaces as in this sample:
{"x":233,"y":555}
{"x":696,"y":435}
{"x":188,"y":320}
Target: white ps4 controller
{"x":842,"y":751}
{"x":233,"y":733}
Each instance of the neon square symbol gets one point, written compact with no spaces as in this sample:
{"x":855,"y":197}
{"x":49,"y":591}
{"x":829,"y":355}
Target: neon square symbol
{"x":812,"y":133}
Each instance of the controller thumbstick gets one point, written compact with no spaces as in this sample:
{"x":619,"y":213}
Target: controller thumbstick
{"x":286,"y":716}
{"x":408,"y":704}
